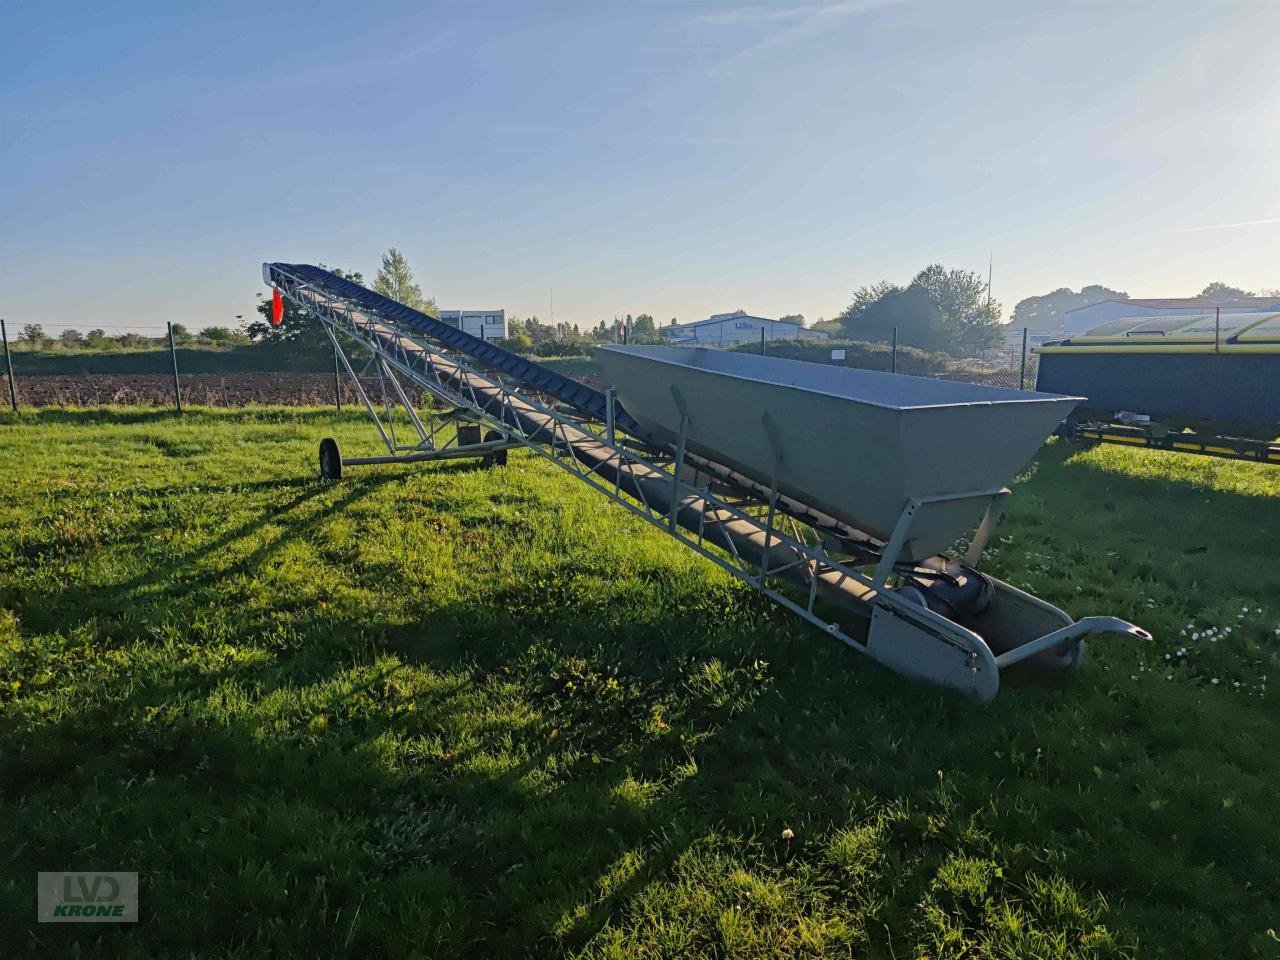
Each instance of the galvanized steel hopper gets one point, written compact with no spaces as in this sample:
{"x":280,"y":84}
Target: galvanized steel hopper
{"x":857,"y":444}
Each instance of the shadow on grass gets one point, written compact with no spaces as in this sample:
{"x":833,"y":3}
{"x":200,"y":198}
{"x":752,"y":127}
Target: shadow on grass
{"x":1085,"y":512}
{"x":509,"y":788}
{"x":526,"y":829}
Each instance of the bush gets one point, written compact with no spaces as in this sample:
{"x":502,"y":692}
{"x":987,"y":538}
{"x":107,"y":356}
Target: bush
{"x":569,"y":347}
{"x":222,"y":336}
{"x":858,"y":353}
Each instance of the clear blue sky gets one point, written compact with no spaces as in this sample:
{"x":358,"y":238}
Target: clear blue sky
{"x":672,"y":158}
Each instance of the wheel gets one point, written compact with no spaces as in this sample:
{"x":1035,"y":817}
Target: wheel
{"x":499,"y":457}
{"x":330,"y":460}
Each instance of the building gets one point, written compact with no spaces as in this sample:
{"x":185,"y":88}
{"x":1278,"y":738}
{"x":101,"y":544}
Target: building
{"x":731,"y":329}
{"x":485,"y":324}
{"x":1080,"y":319}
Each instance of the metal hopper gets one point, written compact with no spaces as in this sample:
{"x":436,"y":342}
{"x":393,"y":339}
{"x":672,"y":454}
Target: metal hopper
{"x":858,"y":444}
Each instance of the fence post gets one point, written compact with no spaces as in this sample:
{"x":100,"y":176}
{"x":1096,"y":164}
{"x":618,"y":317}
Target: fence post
{"x":173,"y":352}
{"x":1022,"y":372}
{"x":893,"y":359}
{"x":337,"y":380}
{"x":8,"y":362}
{"x":762,"y":341}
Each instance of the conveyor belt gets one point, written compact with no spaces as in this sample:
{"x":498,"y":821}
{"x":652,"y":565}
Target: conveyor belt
{"x":578,"y":395}
{"x":544,"y":379}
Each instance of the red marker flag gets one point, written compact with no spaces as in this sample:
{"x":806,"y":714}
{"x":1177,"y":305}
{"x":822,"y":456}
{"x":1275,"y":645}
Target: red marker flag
{"x":277,"y":307}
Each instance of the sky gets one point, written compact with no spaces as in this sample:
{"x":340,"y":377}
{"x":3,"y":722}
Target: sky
{"x":608,"y":157}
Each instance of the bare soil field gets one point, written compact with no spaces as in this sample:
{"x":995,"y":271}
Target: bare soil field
{"x":203,"y":389}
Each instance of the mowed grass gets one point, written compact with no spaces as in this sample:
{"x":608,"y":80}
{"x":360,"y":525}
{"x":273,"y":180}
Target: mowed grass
{"x":449,"y":711}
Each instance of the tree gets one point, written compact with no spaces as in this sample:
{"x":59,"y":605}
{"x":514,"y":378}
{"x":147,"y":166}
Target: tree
{"x":796,"y":318}
{"x":911,"y":311}
{"x":33,"y":333}
{"x":644,"y":330}
{"x":1223,"y":292}
{"x":71,"y":338}
{"x":96,"y":339}
{"x":864,"y":297}
{"x":296,"y":325}
{"x":959,"y":316}
{"x":972,"y":318}
{"x":395,"y":280}
{"x":518,"y":339}
{"x":1044,"y":313}
{"x":180,"y":332}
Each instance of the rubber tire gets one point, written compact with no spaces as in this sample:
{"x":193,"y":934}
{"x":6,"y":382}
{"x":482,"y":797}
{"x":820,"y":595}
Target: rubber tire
{"x":499,"y":457}
{"x":330,"y":460}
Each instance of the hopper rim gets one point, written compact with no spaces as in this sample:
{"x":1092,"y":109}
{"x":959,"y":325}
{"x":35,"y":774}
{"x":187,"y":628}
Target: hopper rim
{"x":1036,"y":396}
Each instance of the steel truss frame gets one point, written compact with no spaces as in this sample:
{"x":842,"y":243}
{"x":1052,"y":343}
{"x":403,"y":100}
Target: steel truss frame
{"x":754,"y":547}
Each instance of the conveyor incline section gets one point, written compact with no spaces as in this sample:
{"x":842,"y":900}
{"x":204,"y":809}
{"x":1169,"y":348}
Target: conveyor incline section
{"x":544,"y":379}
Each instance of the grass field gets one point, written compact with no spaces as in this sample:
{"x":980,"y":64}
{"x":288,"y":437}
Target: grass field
{"x":450,"y":711}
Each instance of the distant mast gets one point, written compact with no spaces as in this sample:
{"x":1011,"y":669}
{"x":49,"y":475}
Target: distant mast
{"x":990,"y":259}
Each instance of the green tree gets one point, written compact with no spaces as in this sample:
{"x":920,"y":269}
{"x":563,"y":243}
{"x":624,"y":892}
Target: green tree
{"x":971,"y":319}
{"x":796,"y":318}
{"x":96,"y":339}
{"x":911,"y":311}
{"x":180,"y":332}
{"x":1224,"y":292}
{"x":33,"y":334}
{"x":863,"y":298}
{"x":71,"y":338}
{"x":962,"y":318}
{"x":395,"y":280}
{"x":518,"y":339}
{"x":644,"y":329}
{"x":297,"y":326}
{"x":1044,"y":312}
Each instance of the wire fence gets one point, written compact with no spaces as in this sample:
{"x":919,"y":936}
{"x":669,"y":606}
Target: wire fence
{"x":166,"y":373}
{"x":1011,"y":364}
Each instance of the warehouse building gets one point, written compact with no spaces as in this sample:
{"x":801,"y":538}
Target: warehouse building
{"x":731,"y":329}
{"x":1080,"y":319}
{"x":485,"y":324}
